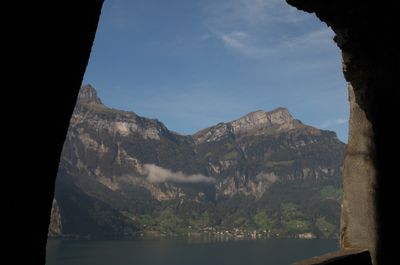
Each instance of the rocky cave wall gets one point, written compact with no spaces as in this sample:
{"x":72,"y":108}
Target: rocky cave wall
{"x":366,"y":34}
{"x":48,"y":51}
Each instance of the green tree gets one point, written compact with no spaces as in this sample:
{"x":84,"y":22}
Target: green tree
{"x":263,"y":221}
{"x":242,"y":222}
{"x":201,"y":221}
{"x":290,"y":211}
{"x":169,"y":222}
{"x":293,"y":220}
{"x":331,"y":192}
{"x":327,"y":229}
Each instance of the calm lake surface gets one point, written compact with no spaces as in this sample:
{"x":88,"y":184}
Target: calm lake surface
{"x":181,"y":252}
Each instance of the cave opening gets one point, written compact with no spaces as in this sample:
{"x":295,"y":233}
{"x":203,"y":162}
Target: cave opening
{"x":52,"y":60}
{"x":303,"y":53}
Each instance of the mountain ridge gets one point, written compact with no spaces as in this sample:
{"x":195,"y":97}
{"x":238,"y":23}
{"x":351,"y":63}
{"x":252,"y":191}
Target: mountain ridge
{"x":135,"y":167}
{"x":278,"y":116}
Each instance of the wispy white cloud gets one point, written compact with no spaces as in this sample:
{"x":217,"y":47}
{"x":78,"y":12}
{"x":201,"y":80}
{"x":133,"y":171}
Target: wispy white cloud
{"x":243,"y":43}
{"x":248,"y":44}
{"x":263,"y":27}
{"x":220,"y":14}
{"x":332,"y":123}
{"x":158,"y":174}
{"x":235,"y":39}
{"x":317,"y":38}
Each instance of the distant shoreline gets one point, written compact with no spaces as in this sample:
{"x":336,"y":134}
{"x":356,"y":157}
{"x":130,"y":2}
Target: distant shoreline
{"x":224,"y":236}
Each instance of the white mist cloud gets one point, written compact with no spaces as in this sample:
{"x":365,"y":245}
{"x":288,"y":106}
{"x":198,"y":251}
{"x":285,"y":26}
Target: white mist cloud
{"x":158,"y":174}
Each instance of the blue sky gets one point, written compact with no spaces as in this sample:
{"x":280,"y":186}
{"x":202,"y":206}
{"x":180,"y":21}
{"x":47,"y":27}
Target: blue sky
{"x":195,"y":63}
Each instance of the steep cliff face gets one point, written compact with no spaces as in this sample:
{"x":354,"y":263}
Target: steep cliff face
{"x":254,"y":124}
{"x":135,"y":166}
{"x":55,"y":226}
{"x":251,"y":153}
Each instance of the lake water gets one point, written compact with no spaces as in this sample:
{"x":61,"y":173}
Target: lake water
{"x":180,"y":252}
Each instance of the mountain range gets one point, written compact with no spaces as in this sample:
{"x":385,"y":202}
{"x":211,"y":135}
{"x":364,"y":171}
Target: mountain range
{"x":265,"y":174}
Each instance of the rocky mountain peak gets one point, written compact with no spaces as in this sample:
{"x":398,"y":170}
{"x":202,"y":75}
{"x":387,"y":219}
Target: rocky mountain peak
{"x":88,"y":94}
{"x":276,"y":116}
{"x":258,"y":122}
{"x":277,"y":119}
{"x":91,"y":112}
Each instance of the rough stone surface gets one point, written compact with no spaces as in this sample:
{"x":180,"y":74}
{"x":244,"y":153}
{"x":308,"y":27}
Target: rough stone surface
{"x":365,"y":34}
{"x":358,"y":225}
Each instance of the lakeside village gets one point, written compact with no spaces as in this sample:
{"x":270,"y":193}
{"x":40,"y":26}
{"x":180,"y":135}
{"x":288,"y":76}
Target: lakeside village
{"x":213,"y":234}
